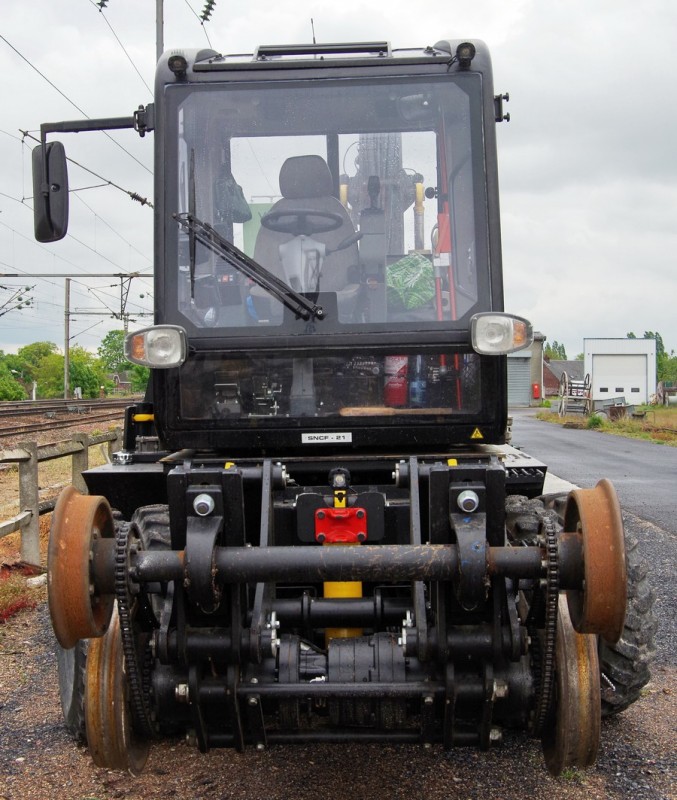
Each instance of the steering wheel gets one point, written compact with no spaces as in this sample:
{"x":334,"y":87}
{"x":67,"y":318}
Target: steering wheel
{"x":302,"y":221}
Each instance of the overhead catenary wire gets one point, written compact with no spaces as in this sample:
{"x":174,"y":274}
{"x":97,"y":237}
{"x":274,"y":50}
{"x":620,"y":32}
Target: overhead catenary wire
{"x":98,"y":216}
{"x":100,"y":9}
{"x":110,"y":227}
{"x":75,"y":105}
{"x":80,"y":242}
{"x":204,"y":17}
{"x":144,"y":201}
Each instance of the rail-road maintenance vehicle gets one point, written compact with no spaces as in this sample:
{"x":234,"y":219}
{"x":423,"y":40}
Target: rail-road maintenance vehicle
{"x":315,"y":530}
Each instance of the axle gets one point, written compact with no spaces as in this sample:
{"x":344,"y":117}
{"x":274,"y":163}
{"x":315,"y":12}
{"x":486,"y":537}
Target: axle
{"x":309,"y":564}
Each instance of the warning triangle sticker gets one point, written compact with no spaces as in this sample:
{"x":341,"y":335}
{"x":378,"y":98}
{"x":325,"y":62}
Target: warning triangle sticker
{"x":477,"y":434}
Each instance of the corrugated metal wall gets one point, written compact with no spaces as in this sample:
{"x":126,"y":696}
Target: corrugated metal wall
{"x":519,"y":380}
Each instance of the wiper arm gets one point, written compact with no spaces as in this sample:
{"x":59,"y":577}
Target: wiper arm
{"x":205,"y":234}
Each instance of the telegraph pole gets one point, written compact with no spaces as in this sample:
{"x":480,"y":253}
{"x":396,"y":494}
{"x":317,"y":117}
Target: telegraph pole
{"x":67,"y":338}
{"x":159,"y":29}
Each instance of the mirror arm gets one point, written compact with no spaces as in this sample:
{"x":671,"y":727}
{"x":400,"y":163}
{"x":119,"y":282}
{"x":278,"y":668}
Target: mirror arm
{"x":82,"y":125}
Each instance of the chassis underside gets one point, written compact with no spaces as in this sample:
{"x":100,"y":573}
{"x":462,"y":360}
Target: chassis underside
{"x":376,"y":599}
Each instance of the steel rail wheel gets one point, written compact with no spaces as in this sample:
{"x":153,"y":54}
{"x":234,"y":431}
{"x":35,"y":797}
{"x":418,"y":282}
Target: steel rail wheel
{"x":111,"y":739}
{"x":77,"y":612}
{"x":600,"y":606}
{"x":571,"y":732}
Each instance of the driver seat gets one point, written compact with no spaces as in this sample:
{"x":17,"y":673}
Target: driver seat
{"x":306,"y":183}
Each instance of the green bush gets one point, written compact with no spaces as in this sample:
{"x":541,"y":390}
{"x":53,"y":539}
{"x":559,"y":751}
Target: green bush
{"x":595,"y":421}
{"x":10,"y":388}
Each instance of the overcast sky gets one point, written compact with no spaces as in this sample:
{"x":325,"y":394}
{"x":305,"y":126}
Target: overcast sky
{"x":588,"y":162}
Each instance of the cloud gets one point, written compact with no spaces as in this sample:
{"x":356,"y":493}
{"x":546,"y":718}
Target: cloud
{"x":587,"y":164}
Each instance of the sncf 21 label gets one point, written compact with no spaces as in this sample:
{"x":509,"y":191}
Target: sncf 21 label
{"x":324,"y":438}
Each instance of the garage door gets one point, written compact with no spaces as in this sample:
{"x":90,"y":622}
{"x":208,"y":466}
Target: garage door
{"x":519,"y":381}
{"x":620,"y":376}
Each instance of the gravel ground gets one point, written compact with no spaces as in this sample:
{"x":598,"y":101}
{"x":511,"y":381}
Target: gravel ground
{"x":38,"y":760}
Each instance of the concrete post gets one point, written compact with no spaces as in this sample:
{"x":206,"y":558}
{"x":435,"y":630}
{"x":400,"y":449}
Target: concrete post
{"x":80,"y":462}
{"x":29,"y":500}
{"x":115,"y":445}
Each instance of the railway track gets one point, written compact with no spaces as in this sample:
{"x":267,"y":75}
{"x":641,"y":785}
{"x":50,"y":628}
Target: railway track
{"x":57,"y":424}
{"x":23,"y":419}
{"x":21,"y":408}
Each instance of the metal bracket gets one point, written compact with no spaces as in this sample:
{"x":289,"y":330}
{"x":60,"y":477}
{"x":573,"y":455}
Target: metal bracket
{"x":472,"y":583}
{"x":498,"y":107}
{"x":200,"y":567}
{"x":144,"y":119}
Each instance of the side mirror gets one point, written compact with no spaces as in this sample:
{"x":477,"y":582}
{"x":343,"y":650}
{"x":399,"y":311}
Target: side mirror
{"x":50,"y":192}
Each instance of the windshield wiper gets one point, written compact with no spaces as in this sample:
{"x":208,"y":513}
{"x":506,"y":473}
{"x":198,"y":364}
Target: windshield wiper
{"x":205,"y":234}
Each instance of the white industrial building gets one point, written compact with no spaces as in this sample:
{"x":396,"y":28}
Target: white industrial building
{"x":620,"y":368}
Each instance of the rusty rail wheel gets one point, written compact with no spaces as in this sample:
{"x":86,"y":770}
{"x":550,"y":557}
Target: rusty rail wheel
{"x":571,"y":732}
{"x":77,"y":612}
{"x":112,"y":741}
{"x":599,"y":607}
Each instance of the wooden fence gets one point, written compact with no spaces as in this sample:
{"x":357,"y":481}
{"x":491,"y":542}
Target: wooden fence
{"x":28,"y":455}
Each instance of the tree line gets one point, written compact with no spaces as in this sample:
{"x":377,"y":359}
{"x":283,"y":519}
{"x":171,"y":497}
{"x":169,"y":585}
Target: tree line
{"x":42,"y":364}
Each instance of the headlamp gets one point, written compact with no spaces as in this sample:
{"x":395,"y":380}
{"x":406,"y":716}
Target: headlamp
{"x":159,"y":347}
{"x":494,"y":333}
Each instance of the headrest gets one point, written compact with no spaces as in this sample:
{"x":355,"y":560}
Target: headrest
{"x":305,"y":176}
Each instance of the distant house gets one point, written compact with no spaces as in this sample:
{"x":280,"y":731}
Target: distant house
{"x":122,"y":381}
{"x":552,"y":374}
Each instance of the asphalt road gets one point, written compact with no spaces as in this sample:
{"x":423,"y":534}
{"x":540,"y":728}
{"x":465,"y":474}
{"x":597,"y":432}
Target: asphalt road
{"x":644,"y":474}
{"x":645,"y":477}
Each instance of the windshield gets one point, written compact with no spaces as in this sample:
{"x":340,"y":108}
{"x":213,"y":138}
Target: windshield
{"x":366,"y":196}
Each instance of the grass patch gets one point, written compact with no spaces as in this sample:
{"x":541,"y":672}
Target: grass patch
{"x":15,"y":595}
{"x":573,"y":775}
{"x":658,"y":425}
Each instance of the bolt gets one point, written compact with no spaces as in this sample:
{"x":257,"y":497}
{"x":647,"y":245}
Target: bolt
{"x":468,"y":501}
{"x":427,"y":746}
{"x":320,"y":537}
{"x":321,"y":515}
{"x":203,"y":505}
{"x":260,"y":746}
{"x":181,"y":693}
{"x":495,"y":735}
{"x":253,"y":701}
{"x":361,"y":536}
{"x":428,"y":700}
{"x":500,"y":690}
{"x":253,"y":680}
{"x":360,"y":514}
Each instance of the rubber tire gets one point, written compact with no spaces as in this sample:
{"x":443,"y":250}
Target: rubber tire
{"x":626,"y":664}
{"x":71,"y":665}
{"x":153,"y":524}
